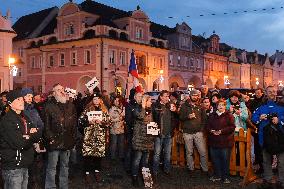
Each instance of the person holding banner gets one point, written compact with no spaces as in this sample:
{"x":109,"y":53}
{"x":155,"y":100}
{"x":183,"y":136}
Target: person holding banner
{"x":142,"y":142}
{"x":92,"y":124}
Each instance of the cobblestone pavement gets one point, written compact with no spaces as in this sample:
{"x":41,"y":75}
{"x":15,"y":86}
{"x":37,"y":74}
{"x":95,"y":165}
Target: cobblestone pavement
{"x":116,"y":178}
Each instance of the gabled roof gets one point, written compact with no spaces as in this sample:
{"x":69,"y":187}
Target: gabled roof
{"x":27,"y":24}
{"x":160,"y":31}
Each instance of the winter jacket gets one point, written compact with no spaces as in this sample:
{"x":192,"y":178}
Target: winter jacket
{"x":94,"y":140}
{"x":268,"y":107}
{"x":273,"y":139}
{"x":163,"y":116}
{"x":240,"y":120}
{"x":224,"y":122}
{"x":255,"y":103}
{"x":130,"y":108}
{"x":59,"y":125}
{"x":33,"y":115}
{"x":194,"y":125}
{"x":16,"y":151}
{"x":141,"y":140}
{"x":117,"y":115}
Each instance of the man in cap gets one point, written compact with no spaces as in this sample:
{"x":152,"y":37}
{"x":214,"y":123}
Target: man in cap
{"x":60,"y":135}
{"x":17,"y":136}
{"x":192,"y":117}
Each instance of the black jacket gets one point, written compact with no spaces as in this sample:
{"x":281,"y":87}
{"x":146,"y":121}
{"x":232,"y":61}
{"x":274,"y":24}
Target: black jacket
{"x":273,"y":137}
{"x":16,"y":151}
{"x":130,"y":108}
{"x":60,"y":122}
{"x":255,"y":103}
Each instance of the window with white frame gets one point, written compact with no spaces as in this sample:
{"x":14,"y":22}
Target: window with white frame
{"x":21,"y":51}
{"x":139,"y":33}
{"x":112,"y":56}
{"x":51,"y":61}
{"x":122,"y":57}
{"x":198,"y":63}
{"x":87,"y":56}
{"x":62,"y":59}
{"x":171,"y":60}
{"x":191,"y":63}
{"x":33,"y":62}
{"x":185,"y":61}
{"x":161,"y":63}
{"x":40,"y":62}
{"x":74,"y":58}
{"x":178,"y":63}
{"x":69,"y":29}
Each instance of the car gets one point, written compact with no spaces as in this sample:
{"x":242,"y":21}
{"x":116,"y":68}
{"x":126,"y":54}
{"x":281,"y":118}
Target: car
{"x":225,"y":92}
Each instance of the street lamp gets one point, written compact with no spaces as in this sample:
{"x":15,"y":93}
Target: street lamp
{"x":11,"y":62}
{"x":190,"y":87}
{"x":257,"y":82}
{"x":161,"y":78}
{"x":226,"y":81}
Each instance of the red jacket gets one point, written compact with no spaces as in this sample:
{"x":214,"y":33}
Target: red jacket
{"x":226,"y":123}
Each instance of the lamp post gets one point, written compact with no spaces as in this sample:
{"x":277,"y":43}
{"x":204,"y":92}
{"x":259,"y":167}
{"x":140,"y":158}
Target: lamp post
{"x":226,"y":81}
{"x":11,"y":62}
{"x":161,"y":78}
{"x":280,"y":85}
{"x":257,"y":82}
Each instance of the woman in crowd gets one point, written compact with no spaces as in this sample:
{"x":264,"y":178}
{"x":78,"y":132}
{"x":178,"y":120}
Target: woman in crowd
{"x":117,"y":114}
{"x":93,"y":123}
{"x":142,"y":143}
{"x":220,"y":130}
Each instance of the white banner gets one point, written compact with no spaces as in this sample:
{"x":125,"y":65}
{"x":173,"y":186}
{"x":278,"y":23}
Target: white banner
{"x":70,"y":92}
{"x":95,"y":115}
{"x":152,"y":129}
{"x":92,"y":84}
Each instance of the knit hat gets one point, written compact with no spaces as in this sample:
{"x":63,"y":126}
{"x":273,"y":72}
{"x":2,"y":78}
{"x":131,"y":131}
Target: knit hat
{"x":175,"y":94}
{"x":26,"y":91}
{"x":13,"y":95}
{"x":194,"y":92}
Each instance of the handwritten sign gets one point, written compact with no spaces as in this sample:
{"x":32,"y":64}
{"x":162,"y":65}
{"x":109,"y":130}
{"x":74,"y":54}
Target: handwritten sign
{"x":70,"y":92}
{"x":152,"y":129}
{"x":95,"y":115}
{"x":92,"y":84}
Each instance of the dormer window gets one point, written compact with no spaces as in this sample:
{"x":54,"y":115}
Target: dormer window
{"x":139,"y":33}
{"x":69,"y":29}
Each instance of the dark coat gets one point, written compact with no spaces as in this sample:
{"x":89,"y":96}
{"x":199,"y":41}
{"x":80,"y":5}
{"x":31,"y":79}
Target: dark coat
{"x":130,"y":108}
{"x":33,"y":115}
{"x":141,"y":140}
{"x":16,"y":151}
{"x":60,"y":125}
{"x":226,"y":123}
{"x":273,"y":136}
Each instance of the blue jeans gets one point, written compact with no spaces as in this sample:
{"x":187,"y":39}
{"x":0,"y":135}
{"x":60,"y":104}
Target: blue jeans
{"x":15,"y":179}
{"x":162,"y":144}
{"x":142,"y":156}
{"x":221,"y":161}
{"x":117,"y":144}
{"x":51,"y":169}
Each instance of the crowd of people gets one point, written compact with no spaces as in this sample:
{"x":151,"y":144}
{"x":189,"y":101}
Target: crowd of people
{"x":49,"y":130}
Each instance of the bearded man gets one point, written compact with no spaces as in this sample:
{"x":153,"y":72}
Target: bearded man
{"x":193,"y":118}
{"x":60,"y":135}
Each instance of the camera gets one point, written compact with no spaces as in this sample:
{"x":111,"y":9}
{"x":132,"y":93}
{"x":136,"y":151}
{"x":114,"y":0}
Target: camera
{"x":271,"y":115}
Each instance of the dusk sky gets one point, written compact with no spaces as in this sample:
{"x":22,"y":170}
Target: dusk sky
{"x":261,"y":30}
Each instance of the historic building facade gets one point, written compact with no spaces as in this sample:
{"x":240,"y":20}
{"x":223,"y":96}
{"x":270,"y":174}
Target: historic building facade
{"x":75,"y":43}
{"x":6,"y":36}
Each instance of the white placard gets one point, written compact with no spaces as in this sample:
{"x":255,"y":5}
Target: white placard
{"x":152,"y":129}
{"x":147,"y":177}
{"x":95,"y":115}
{"x":92,"y":84}
{"x":70,"y":92}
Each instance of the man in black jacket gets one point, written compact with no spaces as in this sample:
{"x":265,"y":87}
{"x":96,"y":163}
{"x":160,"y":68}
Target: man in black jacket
{"x":60,"y":135}
{"x":163,"y":115}
{"x":17,"y":136}
{"x":130,"y":108}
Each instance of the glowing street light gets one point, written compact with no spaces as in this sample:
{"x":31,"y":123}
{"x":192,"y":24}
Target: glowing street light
{"x":280,"y":84}
{"x":11,"y":62}
{"x":190,"y":87}
{"x":226,"y":81}
{"x":257,"y":81}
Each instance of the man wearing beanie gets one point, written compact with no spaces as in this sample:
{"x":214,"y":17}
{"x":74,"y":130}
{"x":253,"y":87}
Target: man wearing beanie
{"x":192,"y":117}
{"x":60,"y":120}
{"x":17,"y":136}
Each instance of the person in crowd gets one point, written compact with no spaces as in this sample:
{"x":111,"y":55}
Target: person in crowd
{"x":220,"y":130}
{"x":117,"y":114}
{"x":106,"y":99}
{"x":192,"y":117}
{"x":273,"y":149}
{"x":60,"y":135}
{"x":174,"y":98}
{"x":94,"y":141}
{"x":3,"y":104}
{"x":238,"y":109}
{"x":142,"y":142}
{"x":17,"y":136}
{"x":131,"y":107}
{"x":261,"y":114}
{"x":258,"y":99}
{"x":163,"y":114}
{"x":33,"y":115}
{"x":206,"y":105}
{"x":215,"y":97}
{"x":205,"y":91}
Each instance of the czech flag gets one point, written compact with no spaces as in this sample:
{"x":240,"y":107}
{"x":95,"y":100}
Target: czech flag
{"x":132,"y":66}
